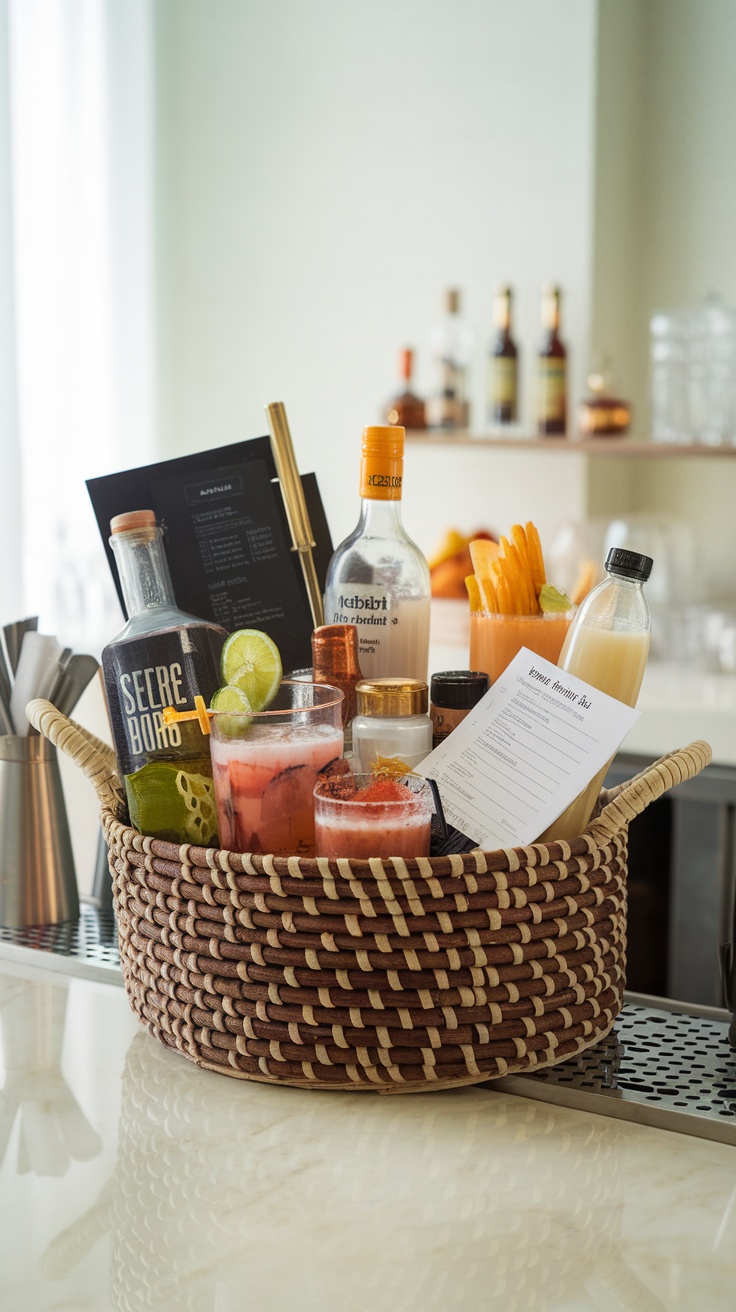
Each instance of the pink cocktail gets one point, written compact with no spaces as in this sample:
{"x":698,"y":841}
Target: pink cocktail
{"x":265,"y":766}
{"x":358,"y":816}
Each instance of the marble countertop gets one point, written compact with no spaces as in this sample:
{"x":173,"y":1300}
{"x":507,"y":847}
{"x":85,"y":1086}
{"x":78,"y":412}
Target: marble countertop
{"x":131,"y":1180}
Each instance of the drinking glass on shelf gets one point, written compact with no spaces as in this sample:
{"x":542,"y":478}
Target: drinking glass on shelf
{"x":265,"y":766}
{"x":361,"y":816}
{"x":496,"y":639}
{"x":693,"y":374}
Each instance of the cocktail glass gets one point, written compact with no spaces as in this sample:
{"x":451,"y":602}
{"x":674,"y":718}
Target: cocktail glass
{"x":360,"y":816}
{"x":496,"y":639}
{"x":265,"y":766}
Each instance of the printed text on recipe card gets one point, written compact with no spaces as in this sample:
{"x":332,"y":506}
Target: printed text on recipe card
{"x":525,"y":752}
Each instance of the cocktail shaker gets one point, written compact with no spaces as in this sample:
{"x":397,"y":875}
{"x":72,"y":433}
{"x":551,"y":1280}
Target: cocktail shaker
{"x":38,"y":884}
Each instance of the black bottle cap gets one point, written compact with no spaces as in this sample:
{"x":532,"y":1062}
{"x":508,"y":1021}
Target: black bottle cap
{"x":458,"y":690}
{"x":629,"y":564}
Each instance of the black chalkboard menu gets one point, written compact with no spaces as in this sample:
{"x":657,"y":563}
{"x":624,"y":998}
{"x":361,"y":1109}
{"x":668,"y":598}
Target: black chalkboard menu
{"x":227,"y":538}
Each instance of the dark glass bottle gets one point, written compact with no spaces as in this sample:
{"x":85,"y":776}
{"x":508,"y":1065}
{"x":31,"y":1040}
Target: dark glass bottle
{"x":600,"y":413}
{"x":503,"y":366}
{"x":406,"y":409}
{"x":551,"y":369}
{"x":162,"y":657}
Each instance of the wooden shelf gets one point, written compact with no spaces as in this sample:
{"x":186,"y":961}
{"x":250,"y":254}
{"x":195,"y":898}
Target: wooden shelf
{"x":612,"y":447}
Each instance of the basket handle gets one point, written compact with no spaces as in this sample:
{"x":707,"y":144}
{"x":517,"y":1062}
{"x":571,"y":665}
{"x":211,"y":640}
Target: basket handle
{"x":630,"y":799}
{"x":95,"y":758}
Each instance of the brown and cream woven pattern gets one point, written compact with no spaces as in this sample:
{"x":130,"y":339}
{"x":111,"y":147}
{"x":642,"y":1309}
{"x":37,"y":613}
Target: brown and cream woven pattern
{"x":394,"y":975}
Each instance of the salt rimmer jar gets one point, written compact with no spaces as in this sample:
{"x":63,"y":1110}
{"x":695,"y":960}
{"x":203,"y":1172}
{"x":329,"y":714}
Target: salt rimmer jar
{"x":392,"y":722}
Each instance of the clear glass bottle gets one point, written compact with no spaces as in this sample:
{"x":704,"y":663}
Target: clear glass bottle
{"x":391,"y":724}
{"x":503,"y":379}
{"x":162,"y":657}
{"x":378,"y":578}
{"x":452,"y":346}
{"x":607,"y":645}
{"x":406,"y":408}
{"x":551,"y":369}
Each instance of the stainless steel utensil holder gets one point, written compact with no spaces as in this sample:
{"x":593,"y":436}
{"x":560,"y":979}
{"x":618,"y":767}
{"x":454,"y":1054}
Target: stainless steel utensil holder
{"x":38,"y":883}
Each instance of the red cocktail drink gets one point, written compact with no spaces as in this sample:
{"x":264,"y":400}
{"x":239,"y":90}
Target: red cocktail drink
{"x":265,"y":766}
{"x":359,"y":816}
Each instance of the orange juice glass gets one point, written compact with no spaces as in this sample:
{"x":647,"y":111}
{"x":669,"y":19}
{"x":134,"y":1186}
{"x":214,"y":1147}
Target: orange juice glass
{"x":496,"y":639}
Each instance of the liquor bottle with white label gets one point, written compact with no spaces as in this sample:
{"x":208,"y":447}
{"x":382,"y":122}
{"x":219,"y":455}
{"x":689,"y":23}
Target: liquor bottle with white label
{"x":162,"y":657}
{"x":503,"y":367}
{"x":378,"y":578}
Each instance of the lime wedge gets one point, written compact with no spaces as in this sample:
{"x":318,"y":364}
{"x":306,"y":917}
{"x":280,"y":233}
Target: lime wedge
{"x":234,"y":711}
{"x":251,"y":661}
{"x":551,"y":599}
{"x":231,"y":699}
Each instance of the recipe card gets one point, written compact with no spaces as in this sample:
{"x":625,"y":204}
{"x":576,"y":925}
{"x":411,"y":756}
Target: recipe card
{"x":227,"y":539}
{"x":524,"y":752}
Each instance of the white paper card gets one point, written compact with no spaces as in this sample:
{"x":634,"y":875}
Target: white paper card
{"x":524,"y":752}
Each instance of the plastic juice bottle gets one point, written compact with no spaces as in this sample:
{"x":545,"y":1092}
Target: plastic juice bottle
{"x":607,"y":645}
{"x":161,"y":657}
{"x":378,"y":578}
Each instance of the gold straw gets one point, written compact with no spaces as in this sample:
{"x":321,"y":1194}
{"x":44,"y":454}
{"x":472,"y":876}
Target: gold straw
{"x":295,"y":504}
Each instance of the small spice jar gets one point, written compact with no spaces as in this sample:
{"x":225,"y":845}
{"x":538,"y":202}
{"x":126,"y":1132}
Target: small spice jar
{"x":452,"y":694}
{"x":392,"y":721}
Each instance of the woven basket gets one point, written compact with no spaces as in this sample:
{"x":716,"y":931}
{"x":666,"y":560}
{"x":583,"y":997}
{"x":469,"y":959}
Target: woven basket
{"x":394,"y":975}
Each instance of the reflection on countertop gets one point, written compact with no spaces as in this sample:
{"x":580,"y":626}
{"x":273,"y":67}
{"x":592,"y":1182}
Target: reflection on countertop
{"x":212,"y":1193}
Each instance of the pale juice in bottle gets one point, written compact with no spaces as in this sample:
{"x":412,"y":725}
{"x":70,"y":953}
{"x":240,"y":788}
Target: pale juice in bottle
{"x":607,"y":646}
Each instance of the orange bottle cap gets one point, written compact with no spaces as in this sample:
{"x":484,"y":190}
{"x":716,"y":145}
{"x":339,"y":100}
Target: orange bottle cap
{"x":381,"y":468}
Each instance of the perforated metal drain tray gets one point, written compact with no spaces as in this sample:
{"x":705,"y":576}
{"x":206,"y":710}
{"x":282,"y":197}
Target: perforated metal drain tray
{"x":666,"y":1064}
{"x":86,"y":948}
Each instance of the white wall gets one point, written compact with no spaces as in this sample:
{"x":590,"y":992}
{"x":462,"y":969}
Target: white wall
{"x":11,"y":584}
{"x":325,"y":170}
{"x":664,"y":223}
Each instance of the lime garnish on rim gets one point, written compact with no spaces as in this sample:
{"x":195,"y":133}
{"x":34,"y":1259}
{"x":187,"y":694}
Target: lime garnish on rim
{"x":551,"y":599}
{"x":233,"y":708}
{"x":251,"y":662}
{"x":231,"y":699}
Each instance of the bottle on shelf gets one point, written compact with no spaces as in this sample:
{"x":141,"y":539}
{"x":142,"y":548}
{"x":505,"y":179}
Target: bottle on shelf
{"x":503,"y":366}
{"x":452,"y":347}
{"x":335,"y":661}
{"x":607,"y":645}
{"x":600,"y":414}
{"x":551,"y":369}
{"x":406,"y":409}
{"x":162,"y":657}
{"x":378,"y":578}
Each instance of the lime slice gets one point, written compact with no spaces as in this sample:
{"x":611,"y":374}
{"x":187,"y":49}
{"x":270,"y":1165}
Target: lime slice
{"x":251,"y":662}
{"x":234,"y":711}
{"x":232,"y":699}
{"x":174,"y":804}
{"x":551,"y":599}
